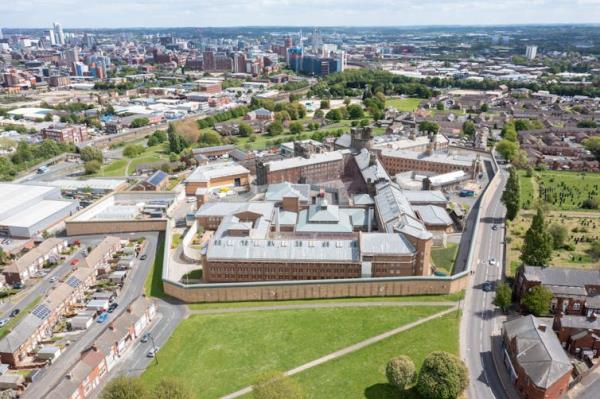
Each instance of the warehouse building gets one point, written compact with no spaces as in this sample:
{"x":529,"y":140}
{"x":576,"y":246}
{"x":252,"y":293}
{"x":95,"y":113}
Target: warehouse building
{"x":28,"y":210}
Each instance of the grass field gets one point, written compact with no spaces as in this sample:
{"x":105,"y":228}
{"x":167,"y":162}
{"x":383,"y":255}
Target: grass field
{"x":362,"y":374}
{"x":126,"y":166}
{"x":115,"y":168}
{"x":443,"y":258}
{"x":562,"y":190}
{"x":153,"y":285}
{"x":403,"y":104}
{"x":582,"y":228}
{"x":219,"y":354}
{"x":414,"y":298}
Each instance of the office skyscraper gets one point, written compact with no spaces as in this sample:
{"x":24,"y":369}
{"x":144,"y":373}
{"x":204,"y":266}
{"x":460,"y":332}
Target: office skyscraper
{"x":531,"y":52}
{"x":59,"y":35}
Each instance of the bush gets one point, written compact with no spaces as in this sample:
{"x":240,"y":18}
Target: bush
{"x":133,"y":150}
{"x":276,"y":385}
{"x":401,"y":372}
{"x":275,"y":128}
{"x":89,"y":153}
{"x":442,"y":376}
{"x":324,"y":104}
{"x":296,"y":127}
{"x":590,"y":204}
{"x":245,"y":130}
{"x":92,"y":167}
{"x":124,"y":388}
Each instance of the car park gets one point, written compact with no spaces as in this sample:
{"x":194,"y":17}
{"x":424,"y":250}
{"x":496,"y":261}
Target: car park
{"x":14,"y":312}
{"x":102,"y":318}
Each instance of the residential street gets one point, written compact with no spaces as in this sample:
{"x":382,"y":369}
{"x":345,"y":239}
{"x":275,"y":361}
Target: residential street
{"x":480,"y":318}
{"x":133,"y":288}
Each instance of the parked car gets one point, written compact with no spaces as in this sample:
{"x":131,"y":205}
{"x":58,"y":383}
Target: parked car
{"x":15,"y":312}
{"x":53,"y":279}
{"x":495,"y":227}
{"x":3,"y":322}
{"x":143,"y":257}
{"x":18,"y":286}
{"x":75,"y":262}
{"x":152,"y":352}
{"x":487,"y":286}
{"x":112,"y":307}
{"x":493,"y":261}
{"x":145,"y":338}
{"x":102,"y":318}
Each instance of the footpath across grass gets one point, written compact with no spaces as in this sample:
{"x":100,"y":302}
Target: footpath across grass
{"x":362,"y":374}
{"x":219,"y":354}
{"x":413,"y":298}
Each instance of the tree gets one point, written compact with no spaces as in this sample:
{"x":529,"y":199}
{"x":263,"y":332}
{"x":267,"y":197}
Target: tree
{"x":442,"y":376}
{"x":324,"y":104}
{"x":276,"y":385}
{"x":275,"y":128}
{"x":209,"y":138}
{"x":245,"y":129}
{"x":509,"y":132}
{"x":593,"y":145}
{"x":537,"y":300}
{"x":537,"y":245}
{"x":139,"y":122}
{"x":334,"y":115}
{"x":319,"y":114}
{"x":590,"y":124}
{"x":468,"y":128}
{"x":401,"y":372}
{"x":170,"y":388}
{"x":133,"y":150}
{"x":355,"y":111}
{"x":429,"y":127}
{"x":511,"y":195}
{"x":296,"y":127}
{"x":507,"y":149}
{"x":92,"y":167}
{"x":23,"y":153}
{"x":176,"y":142}
{"x":440,"y":106}
{"x":559,"y":235}
{"x":503,"y":297}
{"x":484,"y":107}
{"x":90,"y":153}
{"x":124,"y":388}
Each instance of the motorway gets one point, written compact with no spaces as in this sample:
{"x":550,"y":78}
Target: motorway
{"x":481,"y":320}
{"x":133,"y":287}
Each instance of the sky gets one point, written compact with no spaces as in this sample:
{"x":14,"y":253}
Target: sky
{"x":213,"y":13}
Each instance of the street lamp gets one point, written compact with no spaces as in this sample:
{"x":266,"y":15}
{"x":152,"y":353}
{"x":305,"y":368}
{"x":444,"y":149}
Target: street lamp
{"x":154,"y":348}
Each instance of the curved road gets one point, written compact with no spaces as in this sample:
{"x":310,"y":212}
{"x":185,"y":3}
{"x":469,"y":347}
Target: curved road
{"x":481,"y":320}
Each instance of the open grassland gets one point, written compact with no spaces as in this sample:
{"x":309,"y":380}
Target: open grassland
{"x":403,"y":104}
{"x":221,"y":353}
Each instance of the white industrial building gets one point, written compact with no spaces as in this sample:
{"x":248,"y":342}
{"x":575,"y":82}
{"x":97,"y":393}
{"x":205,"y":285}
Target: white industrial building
{"x":27,"y":210}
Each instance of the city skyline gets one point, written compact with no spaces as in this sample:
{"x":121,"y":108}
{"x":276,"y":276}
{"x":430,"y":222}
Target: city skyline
{"x":202,"y":13}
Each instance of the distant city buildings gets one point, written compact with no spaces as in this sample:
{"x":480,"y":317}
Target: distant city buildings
{"x":531,"y":52}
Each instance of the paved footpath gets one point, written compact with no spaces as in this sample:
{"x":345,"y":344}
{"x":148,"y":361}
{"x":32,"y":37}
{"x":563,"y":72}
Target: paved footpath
{"x":357,"y":346}
{"x":357,"y":304}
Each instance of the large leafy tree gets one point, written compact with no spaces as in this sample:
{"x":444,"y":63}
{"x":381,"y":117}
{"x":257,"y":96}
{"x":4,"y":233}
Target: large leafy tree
{"x":511,"y":195}
{"x":537,"y":300}
{"x":538,"y":242}
{"x":442,"y":376}
{"x":503,"y":297}
{"x":508,"y":149}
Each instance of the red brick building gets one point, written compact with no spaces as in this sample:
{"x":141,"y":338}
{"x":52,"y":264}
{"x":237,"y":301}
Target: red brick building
{"x":579,"y":335}
{"x":65,"y":133}
{"x":537,"y":364}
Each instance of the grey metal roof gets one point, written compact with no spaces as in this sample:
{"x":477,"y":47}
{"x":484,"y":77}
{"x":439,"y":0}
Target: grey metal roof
{"x":385,"y":244}
{"x":562,"y":276}
{"x":345,"y":140}
{"x":205,"y":150}
{"x":279,"y":191}
{"x":362,"y":199}
{"x":206,"y":173}
{"x":580,"y":322}
{"x":232,"y":248}
{"x":433,"y":215}
{"x":427,"y":196}
{"x":538,"y":352}
{"x":221,"y":209}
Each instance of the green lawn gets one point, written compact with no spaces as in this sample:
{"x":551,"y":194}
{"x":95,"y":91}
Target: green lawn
{"x":219,"y":354}
{"x":414,"y":298}
{"x":403,"y":104}
{"x":115,"y":168}
{"x":362,"y":374}
{"x":153,"y":285}
{"x":15,"y":320}
{"x":527,"y":190}
{"x":119,"y":167}
{"x":443,"y":258}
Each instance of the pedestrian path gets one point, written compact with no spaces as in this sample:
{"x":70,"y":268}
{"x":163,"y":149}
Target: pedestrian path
{"x":355,"y":347}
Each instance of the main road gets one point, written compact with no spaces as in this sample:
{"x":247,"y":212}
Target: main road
{"x":481,"y":320}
